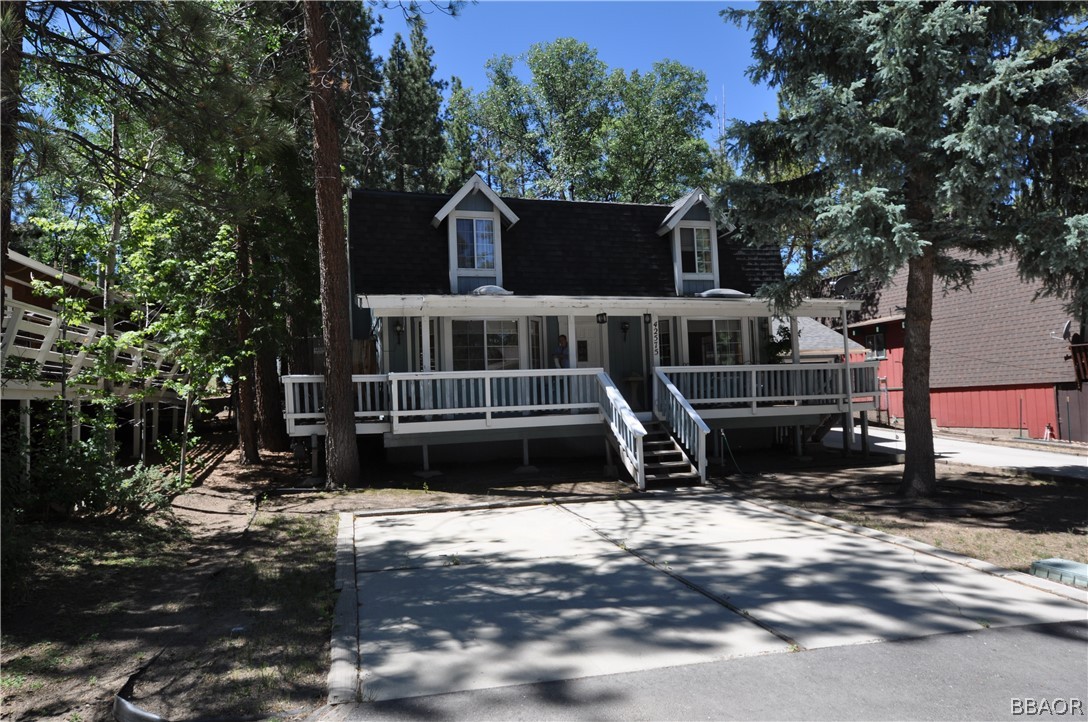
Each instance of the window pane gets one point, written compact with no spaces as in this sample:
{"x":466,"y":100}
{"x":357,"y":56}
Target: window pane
{"x":727,"y":342}
{"x":468,"y":345}
{"x":485,"y":244}
{"x":687,"y":250}
{"x":704,"y":261}
{"x":466,"y":246}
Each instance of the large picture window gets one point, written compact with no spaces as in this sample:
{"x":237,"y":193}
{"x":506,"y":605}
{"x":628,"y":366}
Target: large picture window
{"x":485,"y":345}
{"x":716,"y":343}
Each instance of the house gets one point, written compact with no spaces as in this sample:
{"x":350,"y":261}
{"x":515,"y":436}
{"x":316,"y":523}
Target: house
{"x":46,"y":357}
{"x":999,"y":362}
{"x":466,"y":298}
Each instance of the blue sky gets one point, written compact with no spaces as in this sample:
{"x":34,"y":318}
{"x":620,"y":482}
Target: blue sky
{"x":626,"y":35}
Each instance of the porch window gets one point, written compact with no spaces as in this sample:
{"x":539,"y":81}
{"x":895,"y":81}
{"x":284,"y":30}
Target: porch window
{"x":715,"y":343}
{"x":485,"y":345}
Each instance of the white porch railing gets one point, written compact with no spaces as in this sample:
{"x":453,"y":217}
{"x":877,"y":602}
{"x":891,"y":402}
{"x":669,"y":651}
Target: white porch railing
{"x":424,"y":403}
{"x":626,"y":429}
{"x":304,"y":404}
{"x":769,"y":390}
{"x":454,"y":400}
{"x":676,"y":413}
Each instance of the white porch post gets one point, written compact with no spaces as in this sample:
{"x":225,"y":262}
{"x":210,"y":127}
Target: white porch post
{"x":795,"y":357}
{"x":572,"y":342}
{"x":847,"y":382}
{"x":425,"y":333}
{"x":795,"y":344}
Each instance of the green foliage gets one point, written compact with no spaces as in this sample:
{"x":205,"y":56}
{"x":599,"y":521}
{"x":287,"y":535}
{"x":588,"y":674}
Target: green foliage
{"x":459,"y":161}
{"x":579,"y":131}
{"x":411,"y":129}
{"x":902,"y":126}
{"x":76,"y":479}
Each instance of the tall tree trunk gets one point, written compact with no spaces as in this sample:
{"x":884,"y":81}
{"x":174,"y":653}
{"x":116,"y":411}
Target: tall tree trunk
{"x":919,"y":472}
{"x":273,"y":430}
{"x":246,"y":413}
{"x":11,"y":47}
{"x":342,"y":454}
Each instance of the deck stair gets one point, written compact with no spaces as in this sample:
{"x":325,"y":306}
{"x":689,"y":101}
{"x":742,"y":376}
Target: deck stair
{"x":666,"y":462}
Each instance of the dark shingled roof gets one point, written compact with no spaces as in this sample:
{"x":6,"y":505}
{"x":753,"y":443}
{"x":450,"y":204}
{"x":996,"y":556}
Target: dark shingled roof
{"x":994,"y":334}
{"x":556,"y":248}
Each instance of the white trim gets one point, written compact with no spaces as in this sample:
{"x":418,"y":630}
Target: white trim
{"x":678,"y":266}
{"x":681,"y":208}
{"x":475,"y":184}
{"x":384,"y":305}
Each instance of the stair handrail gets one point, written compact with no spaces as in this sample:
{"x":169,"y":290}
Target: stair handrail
{"x":672,"y":409}
{"x":626,"y":429}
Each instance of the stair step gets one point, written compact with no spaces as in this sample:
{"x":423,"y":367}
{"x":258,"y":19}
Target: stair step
{"x":672,"y":477}
{"x":678,"y":464}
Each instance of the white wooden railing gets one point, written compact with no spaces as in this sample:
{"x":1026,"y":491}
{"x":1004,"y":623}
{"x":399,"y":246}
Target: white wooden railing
{"x":446,"y":399}
{"x":304,"y":403}
{"x":773,"y":385}
{"x":59,"y":351}
{"x":405,"y":403}
{"x":626,"y":429}
{"x":672,"y":409}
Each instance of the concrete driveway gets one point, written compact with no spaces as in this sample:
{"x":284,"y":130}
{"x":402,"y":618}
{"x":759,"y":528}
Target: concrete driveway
{"x":471,"y":600}
{"x":1047,"y":462}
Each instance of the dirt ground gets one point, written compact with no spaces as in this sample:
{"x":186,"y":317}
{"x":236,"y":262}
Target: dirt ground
{"x":222,"y":609}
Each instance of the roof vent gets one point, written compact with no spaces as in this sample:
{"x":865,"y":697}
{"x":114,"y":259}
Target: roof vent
{"x":722,"y":293}
{"x":491,"y":290}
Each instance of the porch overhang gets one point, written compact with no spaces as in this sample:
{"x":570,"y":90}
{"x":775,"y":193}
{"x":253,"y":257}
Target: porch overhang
{"x":438,"y":305}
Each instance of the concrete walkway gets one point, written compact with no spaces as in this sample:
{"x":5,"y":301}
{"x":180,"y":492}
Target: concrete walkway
{"x":1068,"y":464}
{"x":459,"y":601}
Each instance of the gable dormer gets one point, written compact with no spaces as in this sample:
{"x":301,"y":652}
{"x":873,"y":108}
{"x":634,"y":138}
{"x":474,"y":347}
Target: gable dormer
{"x":691,"y":227}
{"x":474,"y":216}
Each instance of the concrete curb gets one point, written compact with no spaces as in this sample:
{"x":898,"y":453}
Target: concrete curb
{"x":343,"y":680}
{"x":1028,"y":580}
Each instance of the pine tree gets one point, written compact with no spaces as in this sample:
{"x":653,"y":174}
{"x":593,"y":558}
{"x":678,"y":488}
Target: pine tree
{"x":411,"y":126}
{"x":909,"y":133}
{"x":459,"y":162}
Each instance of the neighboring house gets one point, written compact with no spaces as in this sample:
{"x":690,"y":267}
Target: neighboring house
{"x":43,"y":357}
{"x":999,"y":364}
{"x":466,"y":297}
{"x":818,"y":342}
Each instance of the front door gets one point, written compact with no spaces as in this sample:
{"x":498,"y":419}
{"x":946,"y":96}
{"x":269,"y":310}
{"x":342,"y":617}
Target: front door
{"x":587,"y":353}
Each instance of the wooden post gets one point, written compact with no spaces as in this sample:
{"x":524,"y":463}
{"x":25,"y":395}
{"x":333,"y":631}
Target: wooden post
{"x":24,"y":422}
{"x":137,"y":429}
{"x":865,"y":435}
{"x":847,"y":422}
{"x":848,"y":383}
{"x":154,"y":422}
{"x":76,"y":407}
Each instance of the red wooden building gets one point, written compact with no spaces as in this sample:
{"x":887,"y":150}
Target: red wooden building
{"x":999,"y":363}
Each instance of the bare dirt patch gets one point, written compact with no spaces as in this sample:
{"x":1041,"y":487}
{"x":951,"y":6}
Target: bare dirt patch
{"x":222,"y":609}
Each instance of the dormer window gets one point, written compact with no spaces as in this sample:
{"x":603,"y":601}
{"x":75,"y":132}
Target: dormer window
{"x":690,"y":225}
{"x":696,"y":252}
{"x":474,"y":216}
